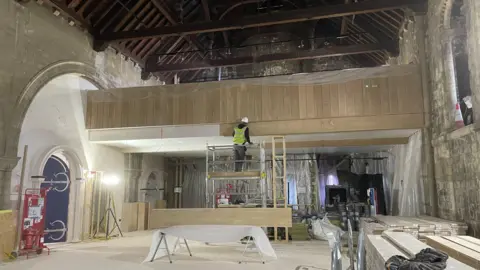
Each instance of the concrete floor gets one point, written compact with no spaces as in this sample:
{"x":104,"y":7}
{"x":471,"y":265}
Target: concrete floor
{"x":129,"y":252}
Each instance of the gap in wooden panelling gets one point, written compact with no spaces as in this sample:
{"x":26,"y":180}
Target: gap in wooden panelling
{"x":351,"y":98}
{"x":126,"y":112}
{"x":334,"y":99}
{"x":317,"y":92}
{"x":416,"y":93}
{"x":257,"y":99}
{"x":376,"y":99}
{"x":402,"y":95}
{"x":311,"y":101}
{"x":117,"y":113}
{"x":366,"y":96}
{"x":267,"y":101}
{"x":392,"y":96}
{"x":327,"y":106}
{"x":384,"y":96}
{"x":358,"y":92}
{"x":302,"y":100}
{"x":279,"y":102}
{"x":286,"y":112}
{"x":295,"y":101}
{"x":88,"y":118}
{"x":342,"y":100}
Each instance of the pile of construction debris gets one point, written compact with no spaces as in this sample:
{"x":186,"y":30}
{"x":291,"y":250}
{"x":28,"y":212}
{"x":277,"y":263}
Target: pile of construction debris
{"x":420,"y":227}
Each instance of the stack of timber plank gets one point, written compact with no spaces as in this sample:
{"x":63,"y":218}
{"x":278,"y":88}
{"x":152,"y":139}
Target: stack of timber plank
{"x":7,"y":233}
{"x":420,"y":227}
{"x":465,"y":249}
{"x":379,"y":248}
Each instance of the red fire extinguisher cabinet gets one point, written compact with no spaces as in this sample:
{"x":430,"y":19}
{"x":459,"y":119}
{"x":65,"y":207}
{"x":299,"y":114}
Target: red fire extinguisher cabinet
{"x":33,"y":221}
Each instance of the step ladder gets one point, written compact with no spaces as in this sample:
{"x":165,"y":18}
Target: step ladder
{"x":279,"y":176}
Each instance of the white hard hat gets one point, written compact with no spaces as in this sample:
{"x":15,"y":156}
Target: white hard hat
{"x":245,"y":120}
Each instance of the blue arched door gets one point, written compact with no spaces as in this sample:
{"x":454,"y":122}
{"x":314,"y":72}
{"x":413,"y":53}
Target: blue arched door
{"x":57,"y":177}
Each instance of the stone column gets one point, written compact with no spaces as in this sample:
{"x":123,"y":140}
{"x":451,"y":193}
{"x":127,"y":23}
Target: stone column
{"x":428,"y":171}
{"x":6,"y":166}
{"x":450,"y":78}
{"x":472,"y":12}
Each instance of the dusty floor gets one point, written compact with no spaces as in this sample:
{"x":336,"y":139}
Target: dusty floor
{"x":130,"y":251}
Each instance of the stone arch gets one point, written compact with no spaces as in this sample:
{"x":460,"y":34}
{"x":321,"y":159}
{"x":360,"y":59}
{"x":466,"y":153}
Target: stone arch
{"x":34,"y":86}
{"x":143,"y":180}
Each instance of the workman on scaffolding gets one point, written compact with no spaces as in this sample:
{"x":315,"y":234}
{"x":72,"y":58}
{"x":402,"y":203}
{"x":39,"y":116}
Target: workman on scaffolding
{"x":241,"y":136}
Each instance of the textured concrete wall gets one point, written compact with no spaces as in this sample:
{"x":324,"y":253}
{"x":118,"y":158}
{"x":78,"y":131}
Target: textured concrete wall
{"x":35,"y":47}
{"x":456,"y":153}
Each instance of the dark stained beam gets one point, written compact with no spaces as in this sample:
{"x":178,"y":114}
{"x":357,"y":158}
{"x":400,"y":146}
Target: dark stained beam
{"x":316,"y":13}
{"x":63,"y":8}
{"x":153,"y":66}
{"x":173,"y":22}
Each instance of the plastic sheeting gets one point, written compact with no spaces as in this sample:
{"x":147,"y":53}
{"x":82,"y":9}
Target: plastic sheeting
{"x":211,"y":234}
{"x":327,"y":175}
{"x":407,"y":196}
{"x":299,"y":179}
{"x":193,"y":188}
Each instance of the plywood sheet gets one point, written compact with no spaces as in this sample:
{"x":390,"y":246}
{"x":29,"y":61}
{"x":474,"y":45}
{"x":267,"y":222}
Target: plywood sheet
{"x":263,"y":217}
{"x":142,"y":217}
{"x":129,"y":217}
{"x":7,"y":233}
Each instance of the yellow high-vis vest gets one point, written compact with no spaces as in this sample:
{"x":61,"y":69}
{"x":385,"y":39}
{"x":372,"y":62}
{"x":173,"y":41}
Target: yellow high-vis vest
{"x":239,"y":137}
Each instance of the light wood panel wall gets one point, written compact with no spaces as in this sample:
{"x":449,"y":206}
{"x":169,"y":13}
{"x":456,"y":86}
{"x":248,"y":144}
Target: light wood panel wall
{"x":225,"y":103}
{"x":263,"y":217}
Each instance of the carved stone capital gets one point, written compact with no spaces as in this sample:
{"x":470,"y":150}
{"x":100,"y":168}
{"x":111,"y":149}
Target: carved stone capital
{"x":8,"y":163}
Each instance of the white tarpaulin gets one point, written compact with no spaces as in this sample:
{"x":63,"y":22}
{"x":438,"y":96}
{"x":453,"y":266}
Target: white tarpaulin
{"x":211,"y":234}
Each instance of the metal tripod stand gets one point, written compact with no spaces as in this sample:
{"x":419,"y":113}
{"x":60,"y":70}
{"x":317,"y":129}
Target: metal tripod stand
{"x":110,"y":211}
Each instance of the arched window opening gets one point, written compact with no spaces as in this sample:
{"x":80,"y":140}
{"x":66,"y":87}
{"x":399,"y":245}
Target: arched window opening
{"x":460,"y":56}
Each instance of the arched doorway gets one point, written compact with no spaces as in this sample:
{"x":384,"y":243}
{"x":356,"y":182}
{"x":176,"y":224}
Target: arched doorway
{"x":154,"y":187}
{"x":57,"y":178}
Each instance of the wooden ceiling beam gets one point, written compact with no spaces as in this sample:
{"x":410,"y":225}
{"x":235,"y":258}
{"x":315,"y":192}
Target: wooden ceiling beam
{"x":324,"y":12}
{"x":153,"y":66}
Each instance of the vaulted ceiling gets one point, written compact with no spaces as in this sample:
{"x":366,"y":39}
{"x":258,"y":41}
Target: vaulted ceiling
{"x":182,"y":38}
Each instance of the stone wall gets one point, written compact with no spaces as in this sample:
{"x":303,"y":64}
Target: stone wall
{"x":35,"y":47}
{"x":456,"y":153}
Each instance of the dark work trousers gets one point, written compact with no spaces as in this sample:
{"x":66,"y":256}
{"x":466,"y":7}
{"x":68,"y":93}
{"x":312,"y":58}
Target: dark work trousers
{"x":239,"y":154}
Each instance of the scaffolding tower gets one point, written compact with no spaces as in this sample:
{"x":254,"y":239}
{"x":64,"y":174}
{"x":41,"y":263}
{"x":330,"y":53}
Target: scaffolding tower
{"x":248,"y":184}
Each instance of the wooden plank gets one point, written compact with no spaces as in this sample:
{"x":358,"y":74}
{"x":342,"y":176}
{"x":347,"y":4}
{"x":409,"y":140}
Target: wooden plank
{"x":129,"y":217}
{"x":325,"y":125}
{"x":263,"y":217}
{"x":7,"y":233}
{"x":234,"y":174}
{"x":338,"y":143}
{"x":378,"y":251}
{"x":142,"y":216}
{"x":411,"y":246}
{"x":463,"y":254}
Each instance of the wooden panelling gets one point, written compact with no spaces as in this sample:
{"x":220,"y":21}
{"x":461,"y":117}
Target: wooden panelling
{"x":339,"y":143}
{"x":226,"y":103}
{"x":306,"y":126}
{"x":263,"y":217}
